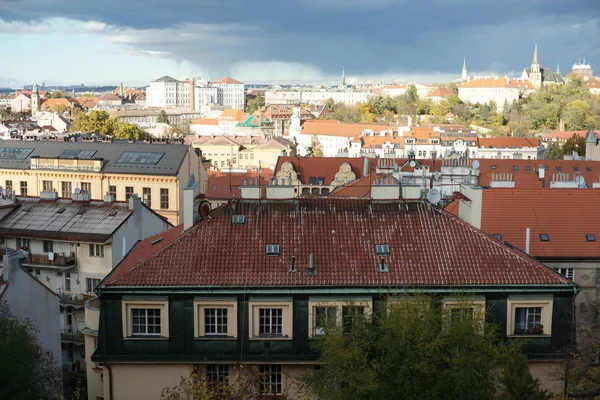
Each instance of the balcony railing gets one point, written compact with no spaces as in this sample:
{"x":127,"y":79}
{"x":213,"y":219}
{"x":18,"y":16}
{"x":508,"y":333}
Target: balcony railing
{"x":71,"y":335}
{"x":77,"y":299}
{"x":75,"y":369}
{"x":58,"y":259}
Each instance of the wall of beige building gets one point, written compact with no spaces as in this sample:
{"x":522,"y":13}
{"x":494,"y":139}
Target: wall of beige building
{"x":94,"y":372}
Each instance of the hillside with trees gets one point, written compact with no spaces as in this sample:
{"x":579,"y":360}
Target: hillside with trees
{"x":541,"y":111}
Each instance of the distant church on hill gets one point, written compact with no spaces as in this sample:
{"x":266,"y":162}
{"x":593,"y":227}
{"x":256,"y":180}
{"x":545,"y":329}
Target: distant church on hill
{"x":540,"y":77}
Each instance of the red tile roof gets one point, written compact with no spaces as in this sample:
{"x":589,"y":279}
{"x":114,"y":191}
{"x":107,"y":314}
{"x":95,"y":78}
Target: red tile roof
{"x":230,"y":81}
{"x":565,"y":215}
{"x":49,"y":103}
{"x":227,"y":185}
{"x":358,"y":188}
{"x":440,"y":92}
{"x":564,"y":134}
{"x":349,"y":130}
{"x":206,"y":121}
{"x":326,"y":167}
{"x":428,"y":247}
{"x":508,"y":143}
{"x":497,"y":82}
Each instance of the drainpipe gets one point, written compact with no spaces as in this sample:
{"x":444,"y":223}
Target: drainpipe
{"x":110,"y":381}
{"x":527,"y":239}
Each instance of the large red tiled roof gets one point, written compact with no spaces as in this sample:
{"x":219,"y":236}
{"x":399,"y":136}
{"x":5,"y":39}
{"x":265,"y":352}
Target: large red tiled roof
{"x":358,"y":188}
{"x":508,"y":143}
{"x":565,"y":215}
{"x":428,"y":247}
{"x":326,"y":167}
{"x":341,"y":129}
{"x":223,"y":185}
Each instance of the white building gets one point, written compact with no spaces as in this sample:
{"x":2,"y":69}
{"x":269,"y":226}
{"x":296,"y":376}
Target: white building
{"x":316,"y":96}
{"x":70,"y":245}
{"x":195,"y":93}
{"x":499,"y":89}
{"x":514,"y":148}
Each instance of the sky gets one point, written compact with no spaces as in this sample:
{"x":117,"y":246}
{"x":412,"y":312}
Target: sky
{"x":289,"y":41}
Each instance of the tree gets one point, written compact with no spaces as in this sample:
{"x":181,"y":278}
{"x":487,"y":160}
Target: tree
{"x":574,"y":143}
{"x":517,"y":381}
{"x":329,"y":104}
{"x":518,"y":132}
{"x":254,"y":104}
{"x":415,"y":349}
{"x":162,"y":118}
{"x":27,"y":370}
{"x":315,"y":149}
{"x":102,"y":123}
{"x":247,"y":385}
{"x":411,"y":93}
{"x":576,"y":114}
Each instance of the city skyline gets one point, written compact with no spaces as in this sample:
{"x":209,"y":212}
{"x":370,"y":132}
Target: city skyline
{"x":304,"y":41}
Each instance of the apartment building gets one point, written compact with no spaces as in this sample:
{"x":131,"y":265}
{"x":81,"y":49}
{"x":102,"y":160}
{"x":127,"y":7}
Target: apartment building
{"x":69,"y":246}
{"x":156,"y":172}
{"x":501,"y":90}
{"x":265,"y":312}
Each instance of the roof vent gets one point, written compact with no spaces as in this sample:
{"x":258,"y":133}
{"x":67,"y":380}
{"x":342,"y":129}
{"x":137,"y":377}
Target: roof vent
{"x":382,"y":266}
{"x":60,"y":210}
{"x":112,"y":213}
{"x":238,"y":219}
{"x":590,"y":237}
{"x":544,"y":237}
{"x":81,"y":211}
{"x":156,"y":241}
{"x":310,"y":271}
{"x":293,"y":264}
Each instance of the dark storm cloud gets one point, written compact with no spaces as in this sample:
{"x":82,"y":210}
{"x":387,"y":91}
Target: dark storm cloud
{"x":368,"y":36}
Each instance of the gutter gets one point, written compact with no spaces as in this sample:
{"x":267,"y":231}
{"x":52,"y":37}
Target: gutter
{"x":110,"y":381}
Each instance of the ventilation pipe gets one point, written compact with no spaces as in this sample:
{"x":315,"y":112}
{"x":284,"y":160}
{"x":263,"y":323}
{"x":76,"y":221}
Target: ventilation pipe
{"x":527,"y":239}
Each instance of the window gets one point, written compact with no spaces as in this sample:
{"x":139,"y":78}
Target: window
{"x":74,"y":153}
{"x":497,"y":236}
{"x":544,"y":237}
{"x":217,"y":373}
{"x":465,"y":308}
{"x":272,"y":378}
{"x":147,"y":196}
{"x":66,"y":189}
{"x":590,"y":237}
{"x":22,"y":243}
{"x":145,"y":318}
{"x":48,"y":246}
{"x":271,"y":319}
{"x":493,"y":167}
{"x":23,"y":188}
{"x":164,"y":199}
{"x":96,"y":250}
{"x":215,"y":318}
{"x":128,"y":192}
{"x":145,"y":321}
{"x":112,"y":191}
{"x":272,"y":249}
{"x":527,"y":316}
{"x":382,"y":250}
{"x":566,"y":272}
{"x":324,"y":318}
{"x":8,"y":186}
{"x":47,"y":186}
{"x":86,"y":187}
{"x":68,"y":281}
{"x":528,"y":168}
{"x":350,"y":316}
{"x":90,"y":284}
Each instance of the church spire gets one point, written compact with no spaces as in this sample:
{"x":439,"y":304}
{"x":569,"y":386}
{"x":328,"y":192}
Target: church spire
{"x":463,"y":76}
{"x":557,"y":69}
{"x":534,"y":61}
{"x":343,"y":77}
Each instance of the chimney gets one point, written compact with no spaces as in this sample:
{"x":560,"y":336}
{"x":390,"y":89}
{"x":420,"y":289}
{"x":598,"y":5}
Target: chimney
{"x":310,"y":271}
{"x":190,"y":212}
{"x":109,"y":199}
{"x":527,"y":239}
{"x":280,"y":190}
{"x":365,"y":166}
{"x":134,"y":202}
{"x":79,"y":195}
{"x":251,"y":191}
{"x":11,"y":261}
{"x":49,"y":195}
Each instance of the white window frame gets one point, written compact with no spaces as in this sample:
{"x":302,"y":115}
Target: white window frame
{"x":127,"y":314}
{"x":221,"y":372}
{"x":545,"y":303}
{"x":200,"y":307}
{"x":476,"y":304}
{"x":339,"y":304}
{"x":286,"y":323}
{"x":96,"y":250}
{"x":91,"y":282}
{"x":568,"y":273}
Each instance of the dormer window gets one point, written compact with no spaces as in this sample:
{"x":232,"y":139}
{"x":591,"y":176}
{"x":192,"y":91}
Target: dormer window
{"x":544,"y":237}
{"x":272,"y":249}
{"x":312,"y":180}
{"x":590,"y":237}
{"x":238,"y":219}
{"x":382,"y":249}
{"x":321,"y":181}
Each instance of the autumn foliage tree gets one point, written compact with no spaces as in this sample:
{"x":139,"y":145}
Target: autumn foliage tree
{"x":104,"y":124}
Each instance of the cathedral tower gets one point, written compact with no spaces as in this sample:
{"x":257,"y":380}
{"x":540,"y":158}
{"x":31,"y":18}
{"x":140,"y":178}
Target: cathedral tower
{"x":463,"y":75}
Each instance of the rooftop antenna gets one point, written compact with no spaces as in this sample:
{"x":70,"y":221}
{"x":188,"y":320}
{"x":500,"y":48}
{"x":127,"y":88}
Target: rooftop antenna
{"x":434,"y":196}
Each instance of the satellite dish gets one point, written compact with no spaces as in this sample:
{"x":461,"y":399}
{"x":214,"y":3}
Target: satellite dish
{"x":204,"y":209}
{"x":475,"y":164}
{"x":412,"y":164}
{"x":434,"y":196}
{"x":77,"y":191}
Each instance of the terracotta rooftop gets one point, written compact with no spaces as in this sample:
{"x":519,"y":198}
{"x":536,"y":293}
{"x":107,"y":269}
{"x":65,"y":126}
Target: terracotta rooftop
{"x":233,"y":115}
{"x":497,"y":82}
{"x":508,"y":143}
{"x":48,"y":103}
{"x":440,"y":92}
{"x":360,"y":188}
{"x":341,"y":129}
{"x":230,"y":81}
{"x":222,"y":185}
{"x":427,"y":247}
{"x":565,"y":215}
{"x":558,"y":135}
{"x":206,"y":121}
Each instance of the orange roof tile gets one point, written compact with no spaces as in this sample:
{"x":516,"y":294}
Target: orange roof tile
{"x":206,"y":121}
{"x":508,"y":143}
{"x":326,"y":167}
{"x":230,"y":81}
{"x":500,"y":82}
{"x":340,"y":129}
{"x":358,"y":188}
{"x":564,"y":134}
{"x":233,"y":115}
{"x":440,"y":92}
{"x":48,"y":103}
{"x":565,"y":215}
{"x":377,"y":140}
{"x":222,"y":185}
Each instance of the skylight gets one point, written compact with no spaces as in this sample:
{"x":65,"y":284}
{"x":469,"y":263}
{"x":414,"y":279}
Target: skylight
{"x":272,"y":249}
{"x":14,"y":153}
{"x":382,"y":267}
{"x":497,"y":236}
{"x":544,"y":237}
{"x":75,"y":153}
{"x":60,"y":210}
{"x":140,"y":157}
{"x":590,"y":237}
{"x":382,"y":249}
{"x":238,"y":219}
